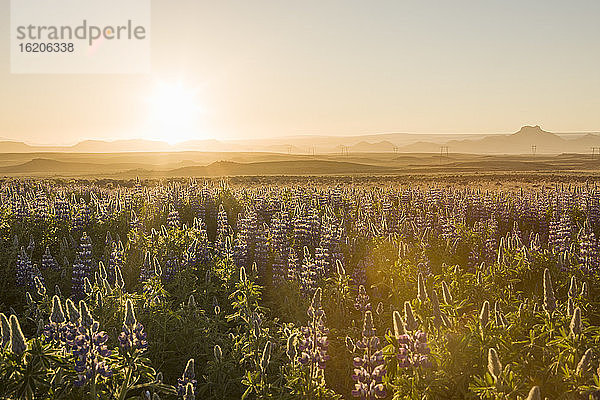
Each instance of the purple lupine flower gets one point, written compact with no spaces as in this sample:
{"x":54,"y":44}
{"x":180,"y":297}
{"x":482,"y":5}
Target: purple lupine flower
{"x":82,"y":267}
{"x":26,"y":271}
{"x":48,"y":261}
{"x":147,"y":270}
{"x":89,"y":349}
{"x":308,"y":274}
{"x":187,"y":379}
{"x":369,"y":368}
{"x":312,"y":342}
{"x":362,"y":302}
{"x":132,"y":336}
{"x":413,"y":350}
{"x":173,"y":220}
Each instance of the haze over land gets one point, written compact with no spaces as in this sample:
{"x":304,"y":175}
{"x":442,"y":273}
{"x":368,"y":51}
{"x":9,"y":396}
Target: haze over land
{"x":520,"y":142}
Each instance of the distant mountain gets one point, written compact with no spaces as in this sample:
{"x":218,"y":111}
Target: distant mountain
{"x":100,"y":146}
{"x":525,"y":141}
{"x":520,"y":142}
{"x":378,"y":147}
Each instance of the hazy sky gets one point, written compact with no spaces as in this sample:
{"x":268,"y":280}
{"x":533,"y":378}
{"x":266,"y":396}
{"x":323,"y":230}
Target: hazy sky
{"x":277,"y":68}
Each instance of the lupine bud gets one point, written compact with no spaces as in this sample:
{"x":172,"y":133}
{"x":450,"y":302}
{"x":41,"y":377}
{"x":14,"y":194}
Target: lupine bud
{"x":576,"y":325}
{"x":86,"y":317}
{"x":87,"y":286}
{"x":57,"y":291}
{"x":243,"y":277}
{"x":583,"y":289}
{"x":398,"y":325}
{"x":340,"y":268}
{"x":17,"y":339}
{"x":584,"y":363}
{"x":570,"y":306}
{"x":409,"y":318}
{"x":57,"y":315}
{"x":534,"y":394}
{"x":316,"y":300}
{"x":102,"y":270}
{"x":218,"y":353}
{"x":573,"y":288}
{"x":72,"y":312}
{"x":189,"y":372}
{"x":368,"y":327}
{"x":192,"y":301}
{"x":494,"y":365}
{"x":119,"y":278}
{"x":130,"y":319}
{"x":484,"y":315}
{"x":549,"y":300}
{"x":446,"y":293}
{"x":28,"y":298}
{"x":4,"y":330}
{"x":39,"y":286}
{"x":266,"y":356}
{"x":421,"y":289}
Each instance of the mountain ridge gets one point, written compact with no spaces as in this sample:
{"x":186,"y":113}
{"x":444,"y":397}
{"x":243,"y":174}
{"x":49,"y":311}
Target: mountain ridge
{"x":526,"y":140}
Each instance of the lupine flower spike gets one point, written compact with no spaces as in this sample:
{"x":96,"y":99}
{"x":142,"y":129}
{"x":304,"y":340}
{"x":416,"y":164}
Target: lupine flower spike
{"x":494,"y":365}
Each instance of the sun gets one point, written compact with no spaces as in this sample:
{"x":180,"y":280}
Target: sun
{"x":175,"y":112}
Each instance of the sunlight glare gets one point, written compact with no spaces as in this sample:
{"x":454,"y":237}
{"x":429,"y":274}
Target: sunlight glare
{"x":174,"y":109}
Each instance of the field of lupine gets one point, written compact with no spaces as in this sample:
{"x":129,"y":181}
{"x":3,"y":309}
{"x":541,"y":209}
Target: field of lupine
{"x":193,"y":290}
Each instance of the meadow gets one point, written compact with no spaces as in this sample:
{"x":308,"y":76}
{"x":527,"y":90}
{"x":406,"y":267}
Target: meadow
{"x":298,"y":289}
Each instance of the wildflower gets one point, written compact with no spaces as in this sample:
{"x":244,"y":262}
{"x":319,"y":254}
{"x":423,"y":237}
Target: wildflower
{"x":409,"y":318}
{"x":86,"y":319}
{"x":413,"y":350}
{"x":4,"y":330}
{"x":494,"y":365}
{"x":72,"y":312}
{"x":573,"y":288}
{"x":549,"y":299}
{"x":584,"y":363}
{"x":484,"y":315}
{"x":362,"y":303}
{"x":132,"y":336}
{"x":398,"y":325}
{"x":534,"y":394}
{"x":369,"y":369}
{"x":89,"y":348}
{"x":313,"y":343}
{"x":187,"y":379}
{"x":57,"y":315}
{"x":576,"y":325}
{"x":17,"y":339}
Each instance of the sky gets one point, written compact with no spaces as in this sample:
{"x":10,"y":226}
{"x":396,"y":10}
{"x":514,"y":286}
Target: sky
{"x":253,"y":69}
